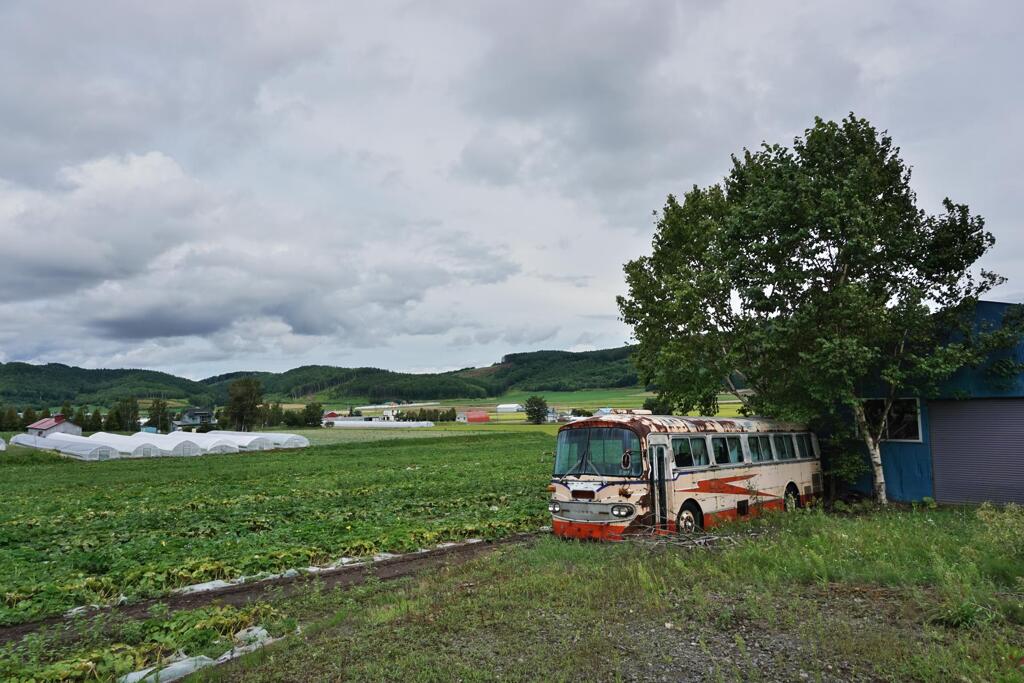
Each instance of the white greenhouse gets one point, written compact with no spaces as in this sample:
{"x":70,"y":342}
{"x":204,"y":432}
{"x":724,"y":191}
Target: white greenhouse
{"x":172,"y":445}
{"x":208,"y":442}
{"x":278,"y":439}
{"x":131,"y":446}
{"x":247,"y":441}
{"x":68,"y":444}
{"x":30,"y":441}
{"x":3,"y":446}
{"x":346,"y":424}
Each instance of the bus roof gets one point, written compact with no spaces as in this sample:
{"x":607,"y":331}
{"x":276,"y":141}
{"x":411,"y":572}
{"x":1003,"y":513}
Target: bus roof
{"x":645,"y":424}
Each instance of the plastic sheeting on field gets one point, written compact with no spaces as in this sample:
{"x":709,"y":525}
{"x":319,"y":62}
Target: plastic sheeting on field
{"x":3,"y":446}
{"x":247,"y":441}
{"x":207,"y":442}
{"x":172,"y":445}
{"x":68,"y":444}
{"x":379,"y":425}
{"x":279,"y":439}
{"x":30,"y":441}
{"x":132,"y":446}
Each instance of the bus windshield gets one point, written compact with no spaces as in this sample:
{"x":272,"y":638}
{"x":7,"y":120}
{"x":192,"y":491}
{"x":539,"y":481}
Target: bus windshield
{"x":597,"y":450}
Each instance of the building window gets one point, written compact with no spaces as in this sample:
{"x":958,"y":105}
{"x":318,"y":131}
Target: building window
{"x":904,"y":421}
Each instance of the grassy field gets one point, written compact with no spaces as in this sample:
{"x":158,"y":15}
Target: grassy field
{"x":929,"y":595}
{"x":926,"y":594}
{"x":75,"y":533}
{"x":863,"y":595}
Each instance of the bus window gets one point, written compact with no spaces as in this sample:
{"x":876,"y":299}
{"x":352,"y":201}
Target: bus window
{"x":727,"y":450}
{"x":803,"y":442}
{"x":784,"y":447}
{"x":760,"y":449}
{"x":691,"y":452}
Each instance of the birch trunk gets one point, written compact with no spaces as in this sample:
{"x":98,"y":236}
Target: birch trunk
{"x":875,"y":453}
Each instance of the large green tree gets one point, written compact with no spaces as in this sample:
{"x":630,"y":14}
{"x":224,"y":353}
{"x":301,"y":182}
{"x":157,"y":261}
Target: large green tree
{"x":95,"y":422}
{"x":159,"y":415}
{"x":128,"y":413}
{"x":536,"y":409}
{"x":244,"y":399}
{"x":811,"y":273}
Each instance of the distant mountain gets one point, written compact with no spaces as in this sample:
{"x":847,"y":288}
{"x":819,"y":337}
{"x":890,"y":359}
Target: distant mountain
{"x":50,"y":385}
{"x":22,"y":384}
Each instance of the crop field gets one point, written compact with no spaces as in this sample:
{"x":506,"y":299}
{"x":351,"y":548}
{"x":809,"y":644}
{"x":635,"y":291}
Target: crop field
{"x":441,"y":430}
{"x":75,"y":533}
{"x":856,"y":594}
{"x":860,"y":595}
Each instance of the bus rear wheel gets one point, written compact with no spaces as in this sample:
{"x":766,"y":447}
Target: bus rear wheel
{"x":690,"y":519}
{"x":792,"y":498}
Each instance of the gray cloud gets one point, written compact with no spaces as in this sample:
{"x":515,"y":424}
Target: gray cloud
{"x":424,"y":186}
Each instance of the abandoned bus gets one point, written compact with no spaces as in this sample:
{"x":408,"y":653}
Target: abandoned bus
{"x":629,"y":472}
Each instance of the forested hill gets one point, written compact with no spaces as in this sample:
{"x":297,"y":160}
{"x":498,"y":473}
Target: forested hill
{"x":22,"y":384}
{"x":51,"y":385}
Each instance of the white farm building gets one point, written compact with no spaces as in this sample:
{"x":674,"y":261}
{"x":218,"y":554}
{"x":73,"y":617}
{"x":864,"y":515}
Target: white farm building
{"x":53,"y":425}
{"x":510,"y":408}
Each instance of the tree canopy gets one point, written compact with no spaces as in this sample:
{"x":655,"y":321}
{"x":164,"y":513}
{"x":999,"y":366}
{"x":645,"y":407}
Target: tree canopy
{"x":244,"y":399}
{"x":811,"y":273}
{"x":536,"y":409}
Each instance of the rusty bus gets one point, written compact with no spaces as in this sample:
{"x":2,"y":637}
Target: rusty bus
{"x":629,"y":472}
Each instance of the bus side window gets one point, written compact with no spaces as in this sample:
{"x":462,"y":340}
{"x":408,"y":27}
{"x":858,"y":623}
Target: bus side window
{"x":754,"y":444}
{"x":719,"y":451}
{"x":692,"y":452}
{"x":803,"y":442}
{"x":735,"y":449}
{"x":784,"y":446}
{"x":681,"y":452}
{"x":699,"y":448}
{"x":726,"y":449}
{"x":766,"y":448}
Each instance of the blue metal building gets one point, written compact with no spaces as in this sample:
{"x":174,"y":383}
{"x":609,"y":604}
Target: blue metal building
{"x":968,"y":442}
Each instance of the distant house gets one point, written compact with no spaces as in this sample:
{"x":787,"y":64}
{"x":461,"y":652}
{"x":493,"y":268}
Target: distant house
{"x":51,"y":425}
{"x":331,"y":414}
{"x":194,"y":417}
{"x":510,"y":408}
{"x":473,"y":416}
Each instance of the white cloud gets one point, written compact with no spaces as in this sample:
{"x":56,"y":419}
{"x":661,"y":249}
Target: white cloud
{"x":414,"y":185}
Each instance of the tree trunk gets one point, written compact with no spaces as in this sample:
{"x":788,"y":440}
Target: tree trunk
{"x":874,"y":451}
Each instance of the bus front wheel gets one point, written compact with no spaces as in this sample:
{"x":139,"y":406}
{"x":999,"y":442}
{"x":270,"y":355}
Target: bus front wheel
{"x":690,"y":519}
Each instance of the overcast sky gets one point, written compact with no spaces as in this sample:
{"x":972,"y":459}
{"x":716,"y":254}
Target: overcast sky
{"x":205,"y":187}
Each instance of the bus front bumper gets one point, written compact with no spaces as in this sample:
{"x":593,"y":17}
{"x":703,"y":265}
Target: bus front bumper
{"x":596,"y":531}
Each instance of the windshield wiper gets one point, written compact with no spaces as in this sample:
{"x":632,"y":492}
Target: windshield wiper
{"x":583,"y":459}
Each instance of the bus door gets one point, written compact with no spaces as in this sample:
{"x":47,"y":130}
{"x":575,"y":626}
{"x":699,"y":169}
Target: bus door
{"x":658,"y":453}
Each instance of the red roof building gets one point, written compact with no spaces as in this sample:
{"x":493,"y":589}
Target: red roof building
{"x":477,"y":416}
{"x":49,"y":425}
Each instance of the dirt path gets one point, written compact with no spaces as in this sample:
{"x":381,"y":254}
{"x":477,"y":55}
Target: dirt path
{"x":245,"y":593}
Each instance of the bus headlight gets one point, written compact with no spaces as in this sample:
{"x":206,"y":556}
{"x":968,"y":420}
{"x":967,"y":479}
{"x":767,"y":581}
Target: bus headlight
{"x":553,"y":506}
{"x":622,"y":510}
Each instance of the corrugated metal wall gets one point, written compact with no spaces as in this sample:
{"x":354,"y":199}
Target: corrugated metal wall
{"x":978,"y":450}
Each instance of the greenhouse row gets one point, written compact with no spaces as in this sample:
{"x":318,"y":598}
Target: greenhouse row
{"x":106,"y":446}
